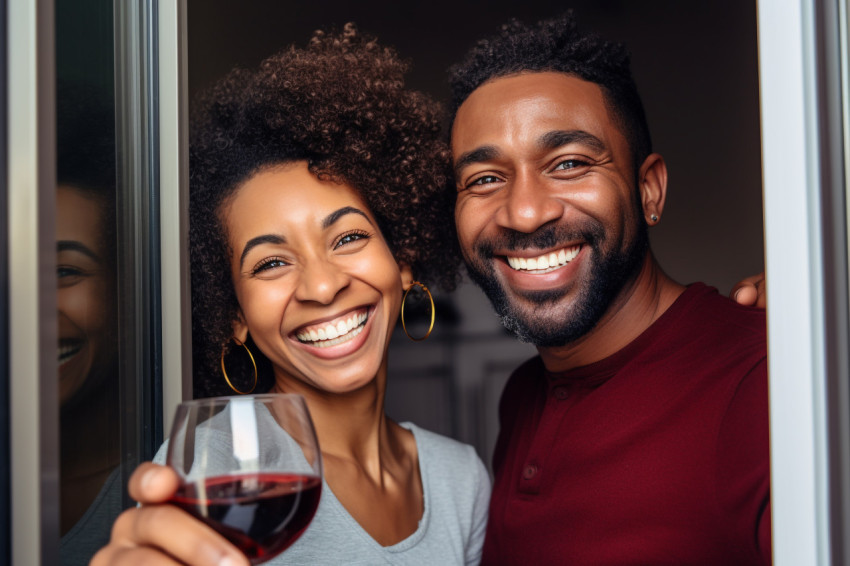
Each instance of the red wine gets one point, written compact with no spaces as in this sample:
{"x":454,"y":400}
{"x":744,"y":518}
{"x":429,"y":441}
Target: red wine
{"x":262,"y":514}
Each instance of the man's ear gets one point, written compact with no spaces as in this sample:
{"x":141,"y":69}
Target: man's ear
{"x":652,"y":183}
{"x":240,"y":327}
{"x":406,"y":276}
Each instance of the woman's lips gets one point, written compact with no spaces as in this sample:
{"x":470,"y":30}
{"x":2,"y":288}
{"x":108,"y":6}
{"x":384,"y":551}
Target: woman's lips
{"x":335,"y":331}
{"x":68,"y":349}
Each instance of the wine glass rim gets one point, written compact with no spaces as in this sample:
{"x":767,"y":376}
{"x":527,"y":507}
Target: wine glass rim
{"x":254,"y":396}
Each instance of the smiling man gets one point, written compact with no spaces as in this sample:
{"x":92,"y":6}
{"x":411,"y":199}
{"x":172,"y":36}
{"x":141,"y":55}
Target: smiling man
{"x":640,"y":433}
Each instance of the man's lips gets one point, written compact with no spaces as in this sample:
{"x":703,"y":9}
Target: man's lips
{"x":334,"y":331}
{"x":544,"y":263}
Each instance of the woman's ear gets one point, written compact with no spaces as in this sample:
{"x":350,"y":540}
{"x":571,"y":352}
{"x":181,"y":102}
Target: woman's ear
{"x":240,"y":327}
{"x":406,"y":276}
{"x":652,"y":183}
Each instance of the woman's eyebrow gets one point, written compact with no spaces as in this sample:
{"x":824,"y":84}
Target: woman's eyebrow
{"x":328,"y":221}
{"x":254,"y":242}
{"x":337,"y":214}
{"x":75,"y":246}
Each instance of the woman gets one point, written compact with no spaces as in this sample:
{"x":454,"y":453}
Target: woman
{"x":318,"y":193}
{"x":86,"y":300}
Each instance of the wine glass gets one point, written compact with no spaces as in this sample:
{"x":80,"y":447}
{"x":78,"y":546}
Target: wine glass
{"x":249,"y":467}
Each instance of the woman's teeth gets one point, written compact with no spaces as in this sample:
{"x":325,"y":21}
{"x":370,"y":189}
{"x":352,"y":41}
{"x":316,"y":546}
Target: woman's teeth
{"x":548,"y":261}
{"x":68,"y":352}
{"x":331,"y":334}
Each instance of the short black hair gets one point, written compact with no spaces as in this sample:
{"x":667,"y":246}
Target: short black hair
{"x":558,"y":44}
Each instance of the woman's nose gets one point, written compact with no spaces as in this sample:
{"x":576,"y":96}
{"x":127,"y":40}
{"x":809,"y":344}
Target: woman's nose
{"x":321,"y":281}
{"x":528,"y":205}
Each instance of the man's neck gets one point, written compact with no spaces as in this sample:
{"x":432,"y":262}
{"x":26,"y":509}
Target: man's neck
{"x":635,"y":308}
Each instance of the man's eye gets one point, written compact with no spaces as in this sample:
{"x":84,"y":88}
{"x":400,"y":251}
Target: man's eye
{"x":570,"y":164}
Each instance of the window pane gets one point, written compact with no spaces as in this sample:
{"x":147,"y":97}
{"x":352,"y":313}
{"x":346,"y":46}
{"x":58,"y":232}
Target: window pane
{"x":86,"y":271}
{"x":107,"y":269}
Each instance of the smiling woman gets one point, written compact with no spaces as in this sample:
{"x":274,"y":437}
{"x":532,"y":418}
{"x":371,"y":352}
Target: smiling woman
{"x":317,"y":286}
{"x":379,"y":139}
{"x":319,"y":190}
{"x":87,"y":305}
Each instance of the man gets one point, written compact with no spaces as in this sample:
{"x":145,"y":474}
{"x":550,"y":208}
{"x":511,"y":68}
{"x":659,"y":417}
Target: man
{"x":639,"y":436}
{"x":640,"y":433}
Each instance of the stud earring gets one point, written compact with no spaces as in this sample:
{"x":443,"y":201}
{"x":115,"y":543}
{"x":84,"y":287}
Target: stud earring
{"x":653,"y":217}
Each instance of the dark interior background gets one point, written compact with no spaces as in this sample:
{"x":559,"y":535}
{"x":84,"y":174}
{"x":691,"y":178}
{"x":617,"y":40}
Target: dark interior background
{"x":696,"y":67}
{"x":695,"y":64}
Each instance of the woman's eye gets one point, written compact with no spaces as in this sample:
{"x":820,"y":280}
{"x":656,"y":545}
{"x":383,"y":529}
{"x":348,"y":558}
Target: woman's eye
{"x":268,"y":264}
{"x":65,"y":271}
{"x":485,"y":180}
{"x":68,"y":275}
{"x":350,"y":238}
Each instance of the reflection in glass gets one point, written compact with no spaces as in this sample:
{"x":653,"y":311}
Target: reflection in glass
{"x":90,"y":487}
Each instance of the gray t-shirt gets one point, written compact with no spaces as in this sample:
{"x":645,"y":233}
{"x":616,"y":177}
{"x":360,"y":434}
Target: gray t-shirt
{"x":91,"y":532}
{"x":456,"y":489}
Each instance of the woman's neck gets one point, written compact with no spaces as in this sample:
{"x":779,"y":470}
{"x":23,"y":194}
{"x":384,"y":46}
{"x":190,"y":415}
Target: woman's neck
{"x":370,"y":463}
{"x":350,"y":425}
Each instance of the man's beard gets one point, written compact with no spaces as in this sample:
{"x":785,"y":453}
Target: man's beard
{"x":610,"y":271}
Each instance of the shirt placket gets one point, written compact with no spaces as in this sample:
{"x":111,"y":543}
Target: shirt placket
{"x":559,"y":399}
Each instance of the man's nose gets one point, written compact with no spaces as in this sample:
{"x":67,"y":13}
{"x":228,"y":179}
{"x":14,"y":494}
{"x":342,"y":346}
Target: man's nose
{"x":529,"y":204}
{"x":320,"y":281}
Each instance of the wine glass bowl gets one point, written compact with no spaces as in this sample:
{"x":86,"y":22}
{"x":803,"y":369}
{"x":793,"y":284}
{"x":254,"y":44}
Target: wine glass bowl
{"x":250,"y":467}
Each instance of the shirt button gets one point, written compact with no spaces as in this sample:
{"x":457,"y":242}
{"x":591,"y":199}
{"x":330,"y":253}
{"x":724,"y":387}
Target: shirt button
{"x":561,"y":393}
{"x":529,"y":471}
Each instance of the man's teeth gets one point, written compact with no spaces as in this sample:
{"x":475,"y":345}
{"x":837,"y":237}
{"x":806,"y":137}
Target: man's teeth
{"x":335,"y":333}
{"x":548,"y":261}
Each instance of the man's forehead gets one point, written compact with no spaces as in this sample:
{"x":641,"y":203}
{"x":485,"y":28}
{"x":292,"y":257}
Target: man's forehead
{"x":521,"y":102}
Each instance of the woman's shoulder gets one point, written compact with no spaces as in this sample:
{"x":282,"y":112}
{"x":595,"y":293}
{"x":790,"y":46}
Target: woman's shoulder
{"x":443,"y":453}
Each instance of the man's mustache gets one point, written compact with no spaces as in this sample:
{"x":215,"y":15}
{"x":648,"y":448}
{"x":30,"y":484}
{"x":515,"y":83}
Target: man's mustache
{"x":590,"y":232}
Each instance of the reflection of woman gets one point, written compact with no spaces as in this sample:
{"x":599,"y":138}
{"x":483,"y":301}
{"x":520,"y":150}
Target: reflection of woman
{"x":318,"y":193}
{"x":87,"y":318}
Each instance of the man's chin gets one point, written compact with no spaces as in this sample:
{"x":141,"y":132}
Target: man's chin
{"x":547,"y":326}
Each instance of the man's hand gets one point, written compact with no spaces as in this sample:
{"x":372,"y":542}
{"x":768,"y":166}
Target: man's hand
{"x":751,"y":291}
{"x":159,"y":533}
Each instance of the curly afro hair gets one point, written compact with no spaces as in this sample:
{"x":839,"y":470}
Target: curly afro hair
{"x":557,"y":44}
{"x":340,"y":105}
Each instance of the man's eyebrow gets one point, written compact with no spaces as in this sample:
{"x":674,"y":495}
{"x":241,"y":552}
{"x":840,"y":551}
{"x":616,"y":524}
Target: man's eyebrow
{"x":75,"y":246}
{"x":558,"y":138}
{"x":337,"y":214}
{"x":477,"y":155}
{"x":254,"y":242}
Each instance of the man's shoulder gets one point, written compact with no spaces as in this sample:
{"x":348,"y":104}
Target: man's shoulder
{"x":707,"y":311}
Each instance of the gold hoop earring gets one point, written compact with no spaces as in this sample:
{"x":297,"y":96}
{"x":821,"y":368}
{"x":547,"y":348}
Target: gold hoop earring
{"x":253,"y":362}
{"x":433,"y":311}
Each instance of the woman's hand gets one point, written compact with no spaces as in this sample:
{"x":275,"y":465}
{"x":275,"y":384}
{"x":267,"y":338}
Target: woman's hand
{"x":751,"y":291}
{"x":158,"y":533}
